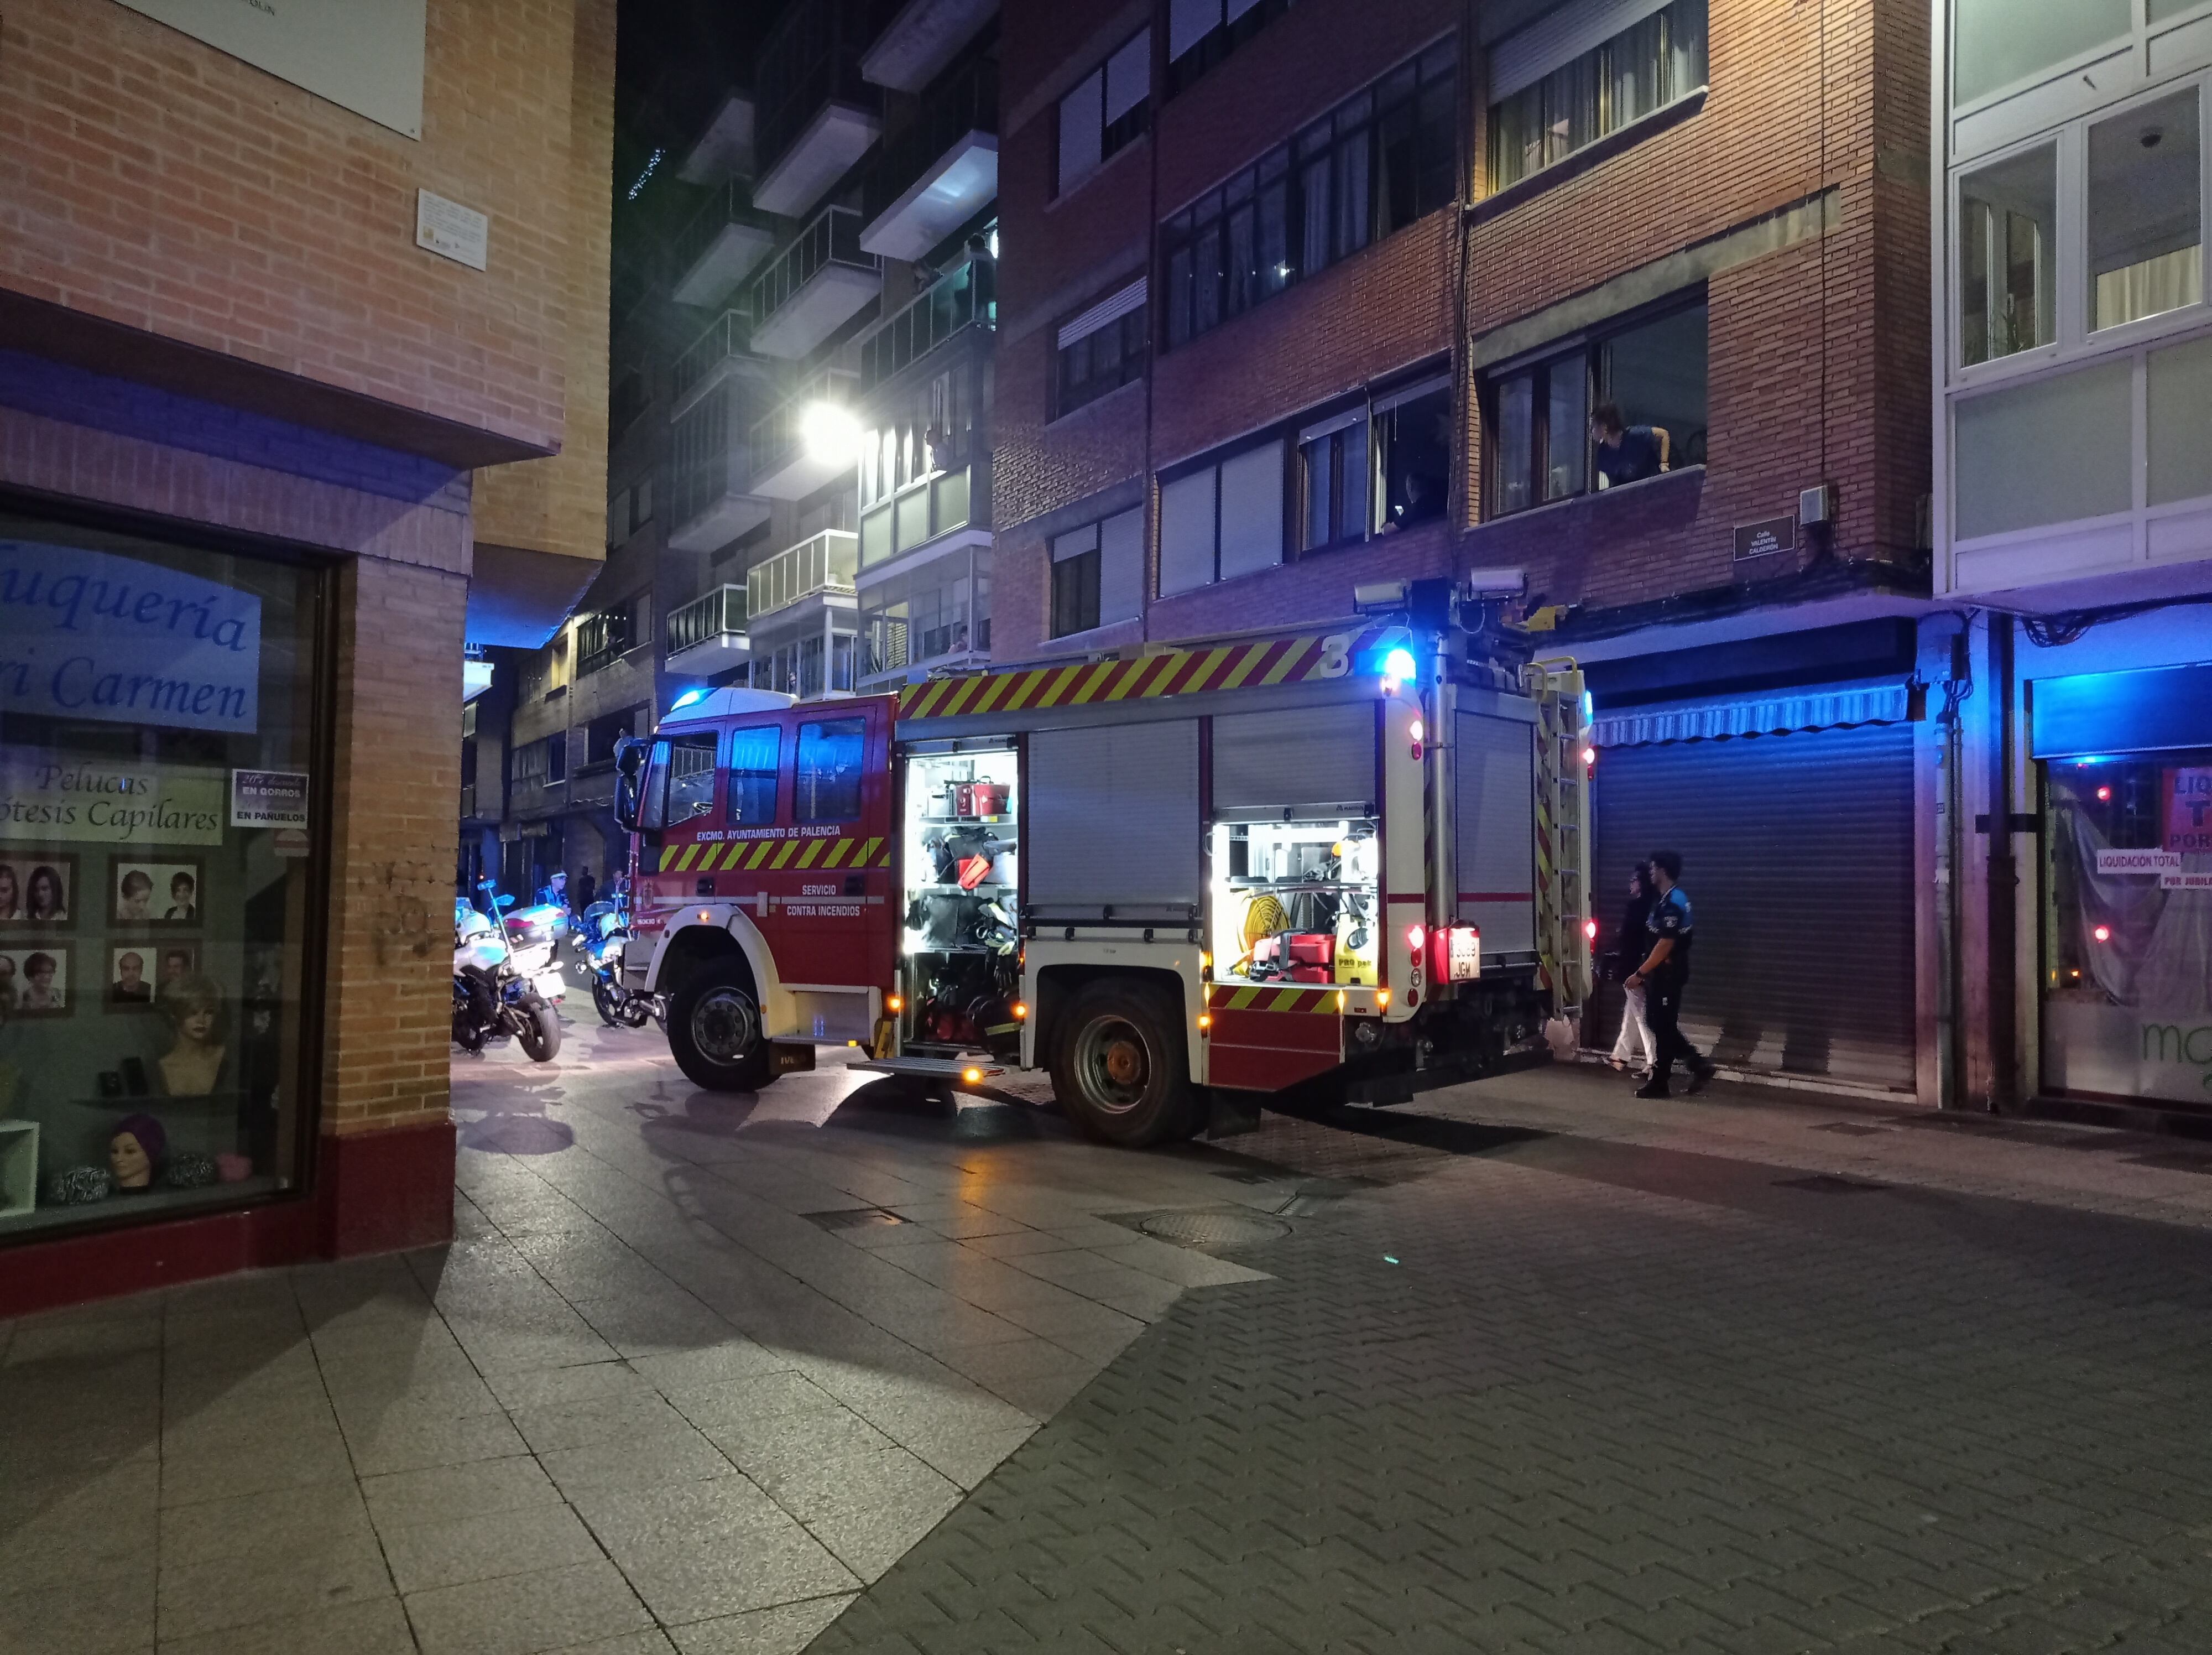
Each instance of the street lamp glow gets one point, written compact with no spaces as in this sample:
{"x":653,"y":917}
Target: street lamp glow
{"x":831,"y":432}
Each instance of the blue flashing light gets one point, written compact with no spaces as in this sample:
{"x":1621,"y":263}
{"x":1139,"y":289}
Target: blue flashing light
{"x":1589,"y":707}
{"x":689,"y":698}
{"x":2094,"y":758}
{"x":1399,"y":664}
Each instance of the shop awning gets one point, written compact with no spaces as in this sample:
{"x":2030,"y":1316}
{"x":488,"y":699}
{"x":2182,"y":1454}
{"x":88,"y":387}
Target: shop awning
{"x":1832,"y":709}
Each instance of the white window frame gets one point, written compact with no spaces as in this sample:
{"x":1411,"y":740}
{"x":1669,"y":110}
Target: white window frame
{"x":1283,"y":444}
{"x":2074,"y":343}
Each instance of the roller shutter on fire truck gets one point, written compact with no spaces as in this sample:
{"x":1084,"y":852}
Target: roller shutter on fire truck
{"x":1311,"y":762}
{"x":1113,"y":821}
{"x":1494,"y":777}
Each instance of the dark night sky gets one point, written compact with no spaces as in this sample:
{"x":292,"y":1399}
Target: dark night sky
{"x":674,"y":59}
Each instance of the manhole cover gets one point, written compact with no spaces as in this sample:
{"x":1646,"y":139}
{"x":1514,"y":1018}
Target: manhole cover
{"x":1850,"y":1129}
{"x":856,"y":1218}
{"x":1207,"y":1230}
{"x":1825,"y":1184}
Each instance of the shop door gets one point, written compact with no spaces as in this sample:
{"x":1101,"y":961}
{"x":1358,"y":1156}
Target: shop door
{"x":1798,"y":853}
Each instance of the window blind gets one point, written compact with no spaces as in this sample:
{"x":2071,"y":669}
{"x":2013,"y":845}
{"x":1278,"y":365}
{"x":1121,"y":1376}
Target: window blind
{"x":1523,"y":58}
{"x":1111,"y":308}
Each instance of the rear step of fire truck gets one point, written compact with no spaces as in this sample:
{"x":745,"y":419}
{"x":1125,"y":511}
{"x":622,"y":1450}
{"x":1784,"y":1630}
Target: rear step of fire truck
{"x":940,"y":1071}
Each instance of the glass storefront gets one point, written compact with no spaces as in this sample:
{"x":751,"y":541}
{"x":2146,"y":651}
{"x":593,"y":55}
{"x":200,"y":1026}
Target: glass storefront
{"x":2127,"y":927}
{"x":159,"y":801}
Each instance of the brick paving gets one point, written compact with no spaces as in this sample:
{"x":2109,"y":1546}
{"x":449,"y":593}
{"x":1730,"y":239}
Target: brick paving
{"x":1531,"y":1367}
{"x":1561,"y":1395}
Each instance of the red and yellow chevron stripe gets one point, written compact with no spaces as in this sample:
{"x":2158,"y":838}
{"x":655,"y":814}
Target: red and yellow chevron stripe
{"x":1274,"y":997}
{"x":768,"y":855}
{"x":1145,"y":677}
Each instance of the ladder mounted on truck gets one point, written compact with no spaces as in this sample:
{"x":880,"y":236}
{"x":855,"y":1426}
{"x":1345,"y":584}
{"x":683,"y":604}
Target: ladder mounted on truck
{"x":1564,"y":928}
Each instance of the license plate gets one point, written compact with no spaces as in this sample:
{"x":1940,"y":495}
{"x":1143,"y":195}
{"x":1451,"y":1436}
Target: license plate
{"x":1464,"y":953}
{"x":551,"y":985}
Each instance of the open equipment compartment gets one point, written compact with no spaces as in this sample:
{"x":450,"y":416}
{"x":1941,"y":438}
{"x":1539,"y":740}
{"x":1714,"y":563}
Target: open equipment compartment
{"x":960,"y":945}
{"x":1297,"y":901}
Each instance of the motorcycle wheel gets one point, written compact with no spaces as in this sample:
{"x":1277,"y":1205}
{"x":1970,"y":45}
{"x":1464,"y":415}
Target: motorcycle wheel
{"x":468,"y":1033}
{"x":540,"y":1037}
{"x":610,"y":1010}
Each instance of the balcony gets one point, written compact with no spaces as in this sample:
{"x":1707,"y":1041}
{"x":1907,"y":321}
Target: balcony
{"x":824,"y":566}
{"x":708,"y":634}
{"x":957,"y":298}
{"x":914,"y":516}
{"x":726,"y":239}
{"x":724,"y":147}
{"x":921,"y":39}
{"x":818,"y":116}
{"x":783,"y":468}
{"x":939,"y":170}
{"x":722,"y":350}
{"x":713,"y":503}
{"x":814,"y":286}
{"x":602,"y":640}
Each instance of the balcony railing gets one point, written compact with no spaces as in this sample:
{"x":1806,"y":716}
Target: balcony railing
{"x":729,"y":209}
{"x":776,"y":434}
{"x":712,"y":615}
{"x":723,"y":344}
{"x":826,"y":563}
{"x":958,"y":299}
{"x":832,"y":237}
{"x":810,"y":58}
{"x":968,"y":102}
{"x":602,"y":640}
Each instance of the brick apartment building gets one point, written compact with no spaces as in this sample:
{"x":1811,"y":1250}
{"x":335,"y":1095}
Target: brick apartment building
{"x":302,"y":387}
{"x":1298,"y":296}
{"x":799,"y":488}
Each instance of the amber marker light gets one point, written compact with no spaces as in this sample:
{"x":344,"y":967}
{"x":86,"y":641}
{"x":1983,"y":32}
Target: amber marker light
{"x":702,"y":917}
{"x":971,"y":1076}
{"x":1382,"y":997}
{"x":1206,"y":1020}
{"x":896,"y":1002}
{"x":1021,"y":1010}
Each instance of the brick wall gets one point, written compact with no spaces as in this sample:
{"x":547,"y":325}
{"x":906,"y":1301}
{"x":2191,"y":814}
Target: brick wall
{"x":150,"y":179}
{"x":1817,"y":351}
{"x":387,"y":1028}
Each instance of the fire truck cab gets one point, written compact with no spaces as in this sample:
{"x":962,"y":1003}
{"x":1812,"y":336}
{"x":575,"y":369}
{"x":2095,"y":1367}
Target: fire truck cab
{"x":1347,"y":865}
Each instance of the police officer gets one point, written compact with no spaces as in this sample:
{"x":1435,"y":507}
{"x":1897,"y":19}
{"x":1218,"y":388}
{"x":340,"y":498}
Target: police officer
{"x":1662,"y":976}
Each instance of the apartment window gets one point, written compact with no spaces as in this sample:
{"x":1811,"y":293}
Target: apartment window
{"x":2146,"y":224}
{"x":1202,"y":33}
{"x":1102,"y":349}
{"x":1098,"y":574}
{"x":2008,"y":246}
{"x":1546,"y":110}
{"x":603,"y":638}
{"x":755,"y":757}
{"x":1377,"y":468}
{"x":933,"y":431}
{"x":1371,"y":166}
{"x":544,"y":761}
{"x":1222,"y":518}
{"x":829,"y":755}
{"x":602,"y":734}
{"x":1652,"y":371}
{"x":1105,"y":111}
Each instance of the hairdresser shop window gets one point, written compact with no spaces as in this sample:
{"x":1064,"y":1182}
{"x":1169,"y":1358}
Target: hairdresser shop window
{"x":157,"y":891}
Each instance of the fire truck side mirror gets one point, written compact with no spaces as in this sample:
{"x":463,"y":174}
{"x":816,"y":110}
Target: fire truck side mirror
{"x":630,"y":754}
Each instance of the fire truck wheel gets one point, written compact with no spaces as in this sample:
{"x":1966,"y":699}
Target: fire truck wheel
{"x":715,"y":1031}
{"x":1121,"y":1071}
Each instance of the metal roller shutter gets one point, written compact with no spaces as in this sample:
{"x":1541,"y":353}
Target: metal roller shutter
{"x":1494,"y":831}
{"x":1313,"y":762}
{"x":1113,"y":821}
{"x":1797,"y":852}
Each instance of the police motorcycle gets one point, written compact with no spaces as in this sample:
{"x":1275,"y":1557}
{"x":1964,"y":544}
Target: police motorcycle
{"x":600,"y":941}
{"x":505,"y":980}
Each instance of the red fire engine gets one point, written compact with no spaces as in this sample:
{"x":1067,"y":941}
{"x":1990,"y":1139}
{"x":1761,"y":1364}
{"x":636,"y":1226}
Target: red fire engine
{"x":1350,"y":864}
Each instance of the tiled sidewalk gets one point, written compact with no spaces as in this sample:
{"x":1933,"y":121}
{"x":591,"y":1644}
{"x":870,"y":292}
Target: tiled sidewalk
{"x":652,"y":1398}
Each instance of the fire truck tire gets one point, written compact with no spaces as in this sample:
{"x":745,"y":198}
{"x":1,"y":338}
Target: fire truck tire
{"x":715,"y":1032}
{"x":1120,"y":1068}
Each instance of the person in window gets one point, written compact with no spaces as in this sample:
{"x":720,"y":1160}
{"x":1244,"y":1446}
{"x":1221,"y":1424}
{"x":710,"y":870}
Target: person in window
{"x":1627,"y":454}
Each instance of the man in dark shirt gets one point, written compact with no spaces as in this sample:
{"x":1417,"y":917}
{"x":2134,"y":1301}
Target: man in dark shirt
{"x":1627,"y":454}
{"x":1663,"y":975}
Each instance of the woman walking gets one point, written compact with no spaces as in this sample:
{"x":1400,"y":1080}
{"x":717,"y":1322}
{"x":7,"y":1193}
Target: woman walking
{"x":1628,"y":950}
